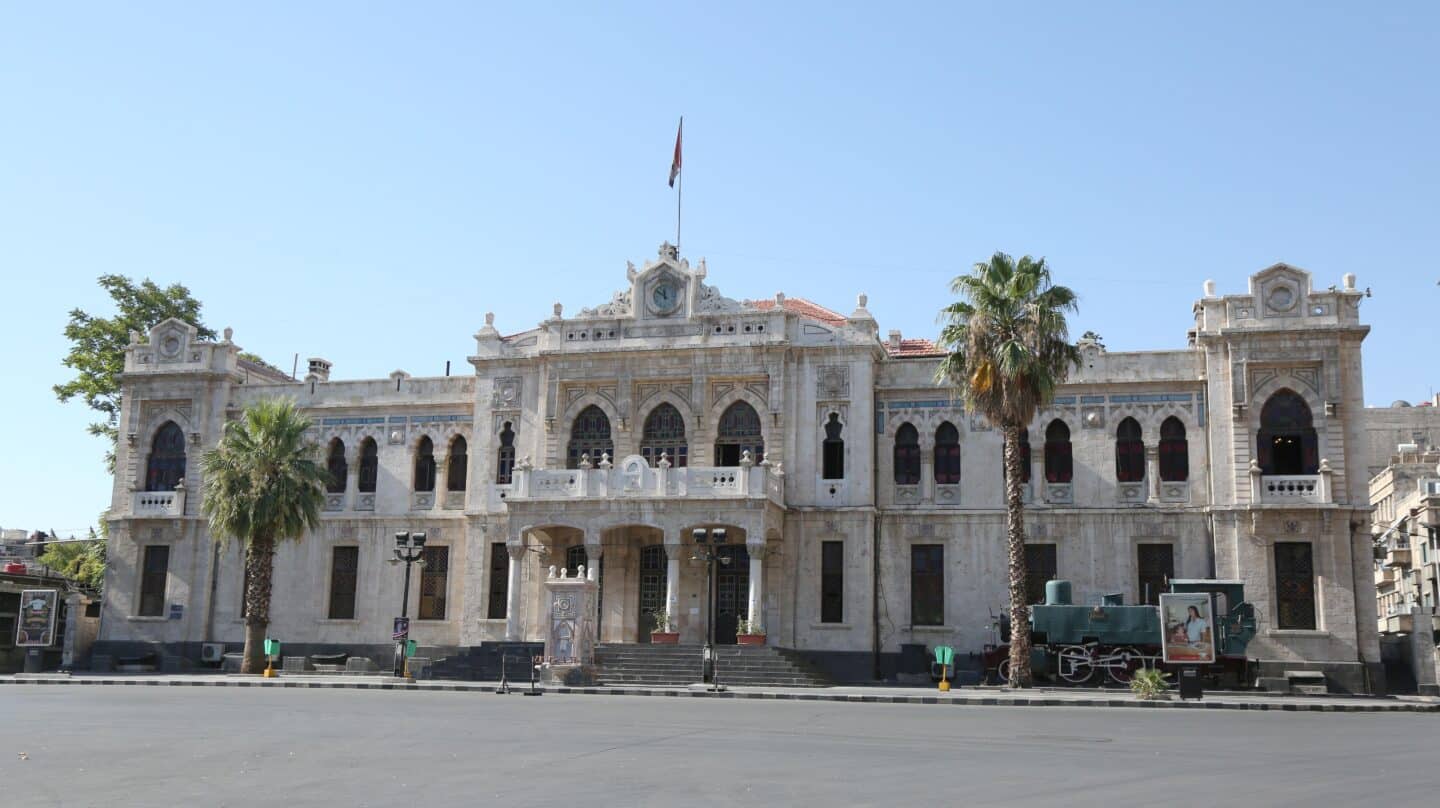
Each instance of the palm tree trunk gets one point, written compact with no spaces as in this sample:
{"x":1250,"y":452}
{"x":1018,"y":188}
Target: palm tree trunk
{"x":1015,"y":532}
{"x":259,"y":571}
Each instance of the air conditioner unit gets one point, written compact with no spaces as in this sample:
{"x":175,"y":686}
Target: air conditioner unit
{"x":212,"y":652}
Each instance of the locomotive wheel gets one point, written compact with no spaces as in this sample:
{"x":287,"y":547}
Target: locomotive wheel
{"x":1074,"y":665}
{"x":1002,"y":671}
{"x":1121,"y":663}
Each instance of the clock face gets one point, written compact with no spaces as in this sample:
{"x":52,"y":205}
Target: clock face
{"x":665,"y":297}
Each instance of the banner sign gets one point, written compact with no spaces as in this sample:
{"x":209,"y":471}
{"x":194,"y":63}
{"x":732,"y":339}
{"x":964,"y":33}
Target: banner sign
{"x":36,"y":626}
{"x":1188,"y":627}
{"x":402,"y":629}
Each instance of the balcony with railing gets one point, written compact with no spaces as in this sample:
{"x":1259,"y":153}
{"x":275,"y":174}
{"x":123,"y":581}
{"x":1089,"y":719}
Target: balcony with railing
{"x":633,"y":477}
{"x":1291,"y":489}
{"x":159,"y":503}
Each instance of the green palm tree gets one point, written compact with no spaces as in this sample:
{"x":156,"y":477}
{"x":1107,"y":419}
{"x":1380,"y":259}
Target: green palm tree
{"x":263,"y":486}
{"x":1008,"y":348}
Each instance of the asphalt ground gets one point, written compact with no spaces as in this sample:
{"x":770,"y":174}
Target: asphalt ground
{"x":144,"y":746}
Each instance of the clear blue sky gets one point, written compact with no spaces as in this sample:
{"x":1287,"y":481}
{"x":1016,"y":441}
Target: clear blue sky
{"x":363,"y":182}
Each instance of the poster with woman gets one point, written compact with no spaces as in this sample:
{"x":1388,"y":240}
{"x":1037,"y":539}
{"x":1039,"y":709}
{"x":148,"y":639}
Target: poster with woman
{"x":1189,"y":628}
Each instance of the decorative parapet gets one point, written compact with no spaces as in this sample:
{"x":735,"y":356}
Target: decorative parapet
{"x":634,"y":477}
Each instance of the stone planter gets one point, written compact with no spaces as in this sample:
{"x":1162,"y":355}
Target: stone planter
{"x":664,"y":638}
{"x":750,"y":639}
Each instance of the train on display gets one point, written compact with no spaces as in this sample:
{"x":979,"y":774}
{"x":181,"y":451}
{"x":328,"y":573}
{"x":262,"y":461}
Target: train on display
{"x":1108,"y":641}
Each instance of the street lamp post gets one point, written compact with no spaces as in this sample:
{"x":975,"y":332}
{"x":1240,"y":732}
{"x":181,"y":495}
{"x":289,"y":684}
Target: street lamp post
{"x":409,"y":549}
{"x":708,"y":542}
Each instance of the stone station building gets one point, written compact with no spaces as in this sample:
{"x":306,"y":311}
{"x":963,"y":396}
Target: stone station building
{"x":863,"y":503}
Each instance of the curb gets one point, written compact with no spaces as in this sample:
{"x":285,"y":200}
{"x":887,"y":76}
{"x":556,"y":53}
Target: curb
{"x":855,"y":698}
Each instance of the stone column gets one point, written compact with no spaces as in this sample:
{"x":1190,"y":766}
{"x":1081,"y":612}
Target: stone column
{"x":594,"y":550}
{"x":1037,"y":475}
{"x":673,"y":549}
{"x":513,"y":628}
{"x":1152,"y":472}
{"x":757,"y":583}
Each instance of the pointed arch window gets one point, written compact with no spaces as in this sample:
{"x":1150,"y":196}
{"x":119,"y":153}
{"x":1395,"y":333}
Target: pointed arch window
{"x":1286,"y":443}
{"x":425,"y":465}
{"x":664,"y":433}
{"x":505,"y":456}
{"x":457,"y":466}
{"x":166,"y":466}
{"x":907,"y":455}
{"x":1129,"y":452}
{"x":832,"y":450}
{"x":1059,"y":467}
{"x":369,"y":466}
{"x":739,"y":432}
{"x":1174,"y":451}
{"x":947,"y":454}
{"x":589,"y":435}
{"x":338,"y":467}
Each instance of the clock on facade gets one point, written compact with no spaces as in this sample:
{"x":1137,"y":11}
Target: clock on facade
{"x":665,"y":297}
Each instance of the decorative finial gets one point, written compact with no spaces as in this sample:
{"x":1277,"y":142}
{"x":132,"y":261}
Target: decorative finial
{"x":559,"y":311}
{"x":585,"y":461}
{"x":746,"y":460}
{"x":229,"y":332}
{"x":862,"y":300}
{"x":664,"y":460}
{"x":490,"y":318}
{"x":605,"y":460}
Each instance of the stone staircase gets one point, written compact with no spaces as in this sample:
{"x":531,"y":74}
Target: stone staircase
{"x":481,"y":663}
{"x":751,"y":665}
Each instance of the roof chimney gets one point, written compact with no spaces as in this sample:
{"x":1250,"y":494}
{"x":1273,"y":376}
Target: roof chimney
{"x":319,"y":370}
{"x":894,"y":342}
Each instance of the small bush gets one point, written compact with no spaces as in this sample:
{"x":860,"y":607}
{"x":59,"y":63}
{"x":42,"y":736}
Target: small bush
{"x":1149,"y":683}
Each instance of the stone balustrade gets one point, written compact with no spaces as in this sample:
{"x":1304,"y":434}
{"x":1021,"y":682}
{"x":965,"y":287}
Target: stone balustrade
{"x":634,"y":477}
{"x":158,"y":503}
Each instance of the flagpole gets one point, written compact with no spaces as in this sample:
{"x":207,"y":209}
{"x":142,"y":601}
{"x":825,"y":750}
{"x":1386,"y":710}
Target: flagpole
{"x":680,"y":191}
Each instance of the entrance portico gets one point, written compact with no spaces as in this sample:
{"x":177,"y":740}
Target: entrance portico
{"x":642,"y":569}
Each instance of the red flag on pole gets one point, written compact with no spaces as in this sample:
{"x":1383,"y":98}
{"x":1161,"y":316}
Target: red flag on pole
{"x":675,"y":163}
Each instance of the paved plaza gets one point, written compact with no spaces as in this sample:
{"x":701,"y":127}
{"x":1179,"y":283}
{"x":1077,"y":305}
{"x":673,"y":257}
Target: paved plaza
{"x":118,"y":746}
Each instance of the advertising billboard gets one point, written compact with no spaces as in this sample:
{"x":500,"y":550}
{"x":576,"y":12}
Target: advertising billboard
{"x":1188,"y":627}
{"x":36,"y":626}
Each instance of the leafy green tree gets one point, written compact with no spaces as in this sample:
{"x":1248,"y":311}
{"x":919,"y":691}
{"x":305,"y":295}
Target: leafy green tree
{"x":80,"y":561}
{"x":1008,"y":348}
{"x":264,"y":484}
{"x":97,"y":344}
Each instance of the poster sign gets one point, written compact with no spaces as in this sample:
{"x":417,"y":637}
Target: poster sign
{"x":36,"y":626}
{"x":402,"y":629}
{"x":1189,"y":628}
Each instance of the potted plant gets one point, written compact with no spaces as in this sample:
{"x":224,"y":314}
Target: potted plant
{"x":1149,"y":684}
{"x":750,"y":632}
{"x":663,"y":632}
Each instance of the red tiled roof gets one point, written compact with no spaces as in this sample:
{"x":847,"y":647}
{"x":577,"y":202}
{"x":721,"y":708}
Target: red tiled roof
{"x":913,"y":348}
{"x":802,"y":307}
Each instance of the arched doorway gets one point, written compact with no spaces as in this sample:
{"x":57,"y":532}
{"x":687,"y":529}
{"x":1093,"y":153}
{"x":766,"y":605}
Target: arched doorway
{"x":732,"y":592}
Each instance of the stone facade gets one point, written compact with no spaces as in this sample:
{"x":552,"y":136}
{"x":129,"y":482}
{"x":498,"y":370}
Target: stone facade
{"x":827,"y":453}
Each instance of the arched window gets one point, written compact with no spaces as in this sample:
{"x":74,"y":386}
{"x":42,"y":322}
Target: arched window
{"x":166,"y":467}
{"x":907,"y":455}
{"x":505,"y":458}
{"x":425,"y":465}
{"x":1286,"y":443}
{"x":832,"y":450}
{"x":664,"y":433}
{"x":589,"y":435}
{"x":369,"y":466}
{"x":457,"y":466}
{"x":1059,"y":467}
{"x":1174,"y":451}
{"x":947,"y":454}
{"x":575,"y":557}
{"x":739,"y":432}
{"x":1024,"y":457}
{"x":1129,"y":452}
{"x":337,"y":466}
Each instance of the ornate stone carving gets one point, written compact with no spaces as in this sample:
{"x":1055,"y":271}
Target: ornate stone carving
{"x":507,"y":393}
{"x":619,"y":306}
{"x":833,"y":381}
{"x":709,"y":300}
